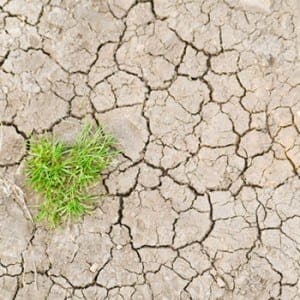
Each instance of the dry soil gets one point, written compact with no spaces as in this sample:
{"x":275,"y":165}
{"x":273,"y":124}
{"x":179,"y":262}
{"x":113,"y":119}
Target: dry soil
{"x":203,"y":97}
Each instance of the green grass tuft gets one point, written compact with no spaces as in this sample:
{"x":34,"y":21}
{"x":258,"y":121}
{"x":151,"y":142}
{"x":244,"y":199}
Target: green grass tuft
{"x":62,"y":173}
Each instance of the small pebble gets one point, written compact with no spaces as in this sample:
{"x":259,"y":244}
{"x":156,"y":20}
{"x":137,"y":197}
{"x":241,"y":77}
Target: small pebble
{"x":94,"y":267}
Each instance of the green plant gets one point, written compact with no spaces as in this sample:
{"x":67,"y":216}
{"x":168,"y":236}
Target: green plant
{"x":62,"y":173}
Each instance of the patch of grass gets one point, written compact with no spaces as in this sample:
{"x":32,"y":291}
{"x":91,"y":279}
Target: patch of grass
{"x":62,"y":173}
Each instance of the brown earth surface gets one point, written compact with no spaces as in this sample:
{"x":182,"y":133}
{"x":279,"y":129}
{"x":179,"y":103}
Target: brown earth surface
{"x":204,"y":98}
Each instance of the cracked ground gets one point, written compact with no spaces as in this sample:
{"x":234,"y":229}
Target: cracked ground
{"x":203,"y":97}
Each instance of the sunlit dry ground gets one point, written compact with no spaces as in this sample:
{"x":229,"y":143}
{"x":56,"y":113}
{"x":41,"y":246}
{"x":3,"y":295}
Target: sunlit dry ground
{"x":203,"y":97}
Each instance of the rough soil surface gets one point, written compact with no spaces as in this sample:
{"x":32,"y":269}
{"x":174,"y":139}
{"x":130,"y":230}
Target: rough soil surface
{"x":204,"y":98}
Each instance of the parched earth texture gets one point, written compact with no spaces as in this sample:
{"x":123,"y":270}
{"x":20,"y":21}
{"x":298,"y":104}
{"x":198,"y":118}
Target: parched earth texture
{"x":204,"y":99}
